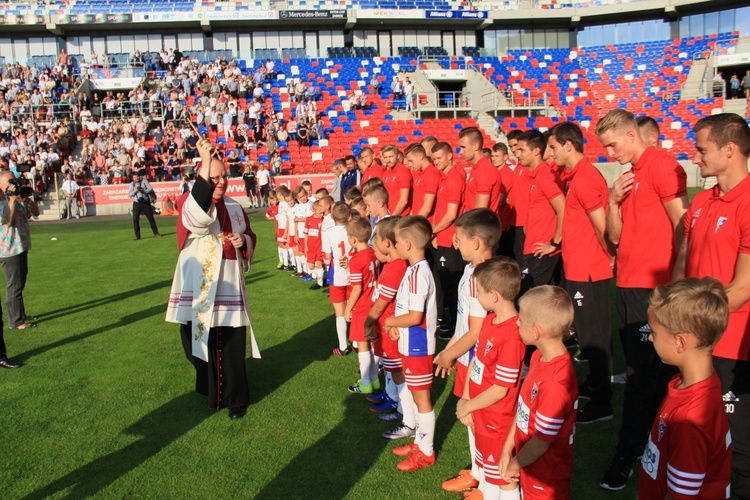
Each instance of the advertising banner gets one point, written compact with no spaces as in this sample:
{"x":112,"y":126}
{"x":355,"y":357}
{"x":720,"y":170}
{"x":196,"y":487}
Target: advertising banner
{"x":312,"y":14}
{"x":455,"y":14}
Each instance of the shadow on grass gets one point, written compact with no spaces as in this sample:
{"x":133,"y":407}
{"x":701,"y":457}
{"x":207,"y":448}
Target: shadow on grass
{"x":125,"y":321}
{"x":158,"y":430}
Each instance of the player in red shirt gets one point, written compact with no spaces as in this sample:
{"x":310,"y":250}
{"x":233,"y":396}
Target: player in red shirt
{"x":368,"y":166}
{"x":362,"y":277}
{"x":717,"y":243}
{"x":689,"y":451}
{"x":539,"y":448}
{"x":271,"y":213}
{"x":506,"y":212}
{"x":397,"y":180}
{"x":448,"y":263}
{"x":519,"y":197}
{"x":491,"y":389}
{"x":426,"y":181}
{"x":587,"y":258}
{"x":648,"y":129}
{"x":646,"y":205}
{"x":314,"y":245}
{"x":544,"y":221}
{"x":483,"y":185}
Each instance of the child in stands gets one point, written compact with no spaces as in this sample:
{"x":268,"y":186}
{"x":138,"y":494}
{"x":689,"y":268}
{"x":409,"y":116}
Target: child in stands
{"x":539,"y":449}
{"x":362,"y":276}
{"x":413,"y":325}
{"x":689,"y":451}
{"x":488,"y":403}
{"x":336,"y":250}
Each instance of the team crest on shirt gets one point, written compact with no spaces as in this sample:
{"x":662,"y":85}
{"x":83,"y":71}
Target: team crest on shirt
{"x":695,"y":217}
{"x":488,"y":346}
{"x":534,"y":392}
{"x":720,"y":222}
{"x":662,"y":426}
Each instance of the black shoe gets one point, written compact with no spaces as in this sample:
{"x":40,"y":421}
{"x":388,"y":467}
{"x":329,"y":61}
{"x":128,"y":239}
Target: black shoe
{"x":136,"y":238}
{"x":616,"y":477}
{"x":8,"y":364}
{"x":585,"y":392}
{"x":315,"y":286}
{"x":237,"y":412}
{"x":594,"y":412}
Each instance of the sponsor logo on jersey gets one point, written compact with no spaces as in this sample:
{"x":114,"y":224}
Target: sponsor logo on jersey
{"x":578,"y":295}
{"x":645,"y":328}
{"x":729,"y":397}
{"x":720,"y":222}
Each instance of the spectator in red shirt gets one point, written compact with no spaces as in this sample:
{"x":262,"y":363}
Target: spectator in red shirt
{"x":588,"y":258}
{"x":544,"y":221}
{"x":646,"y":206}
{"x":717,"y":243}
{"x":483,"y":184}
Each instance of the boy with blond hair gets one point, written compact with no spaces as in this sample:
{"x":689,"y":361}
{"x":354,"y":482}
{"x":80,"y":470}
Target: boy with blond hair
{"x":362,"y":277}
{"x":335,"y":247}
{"x":413,"y":325}
{"x":539,"y":449}
{"x":476,"y":237}
{"x":689,"y":451}
{"x":491,"y":389}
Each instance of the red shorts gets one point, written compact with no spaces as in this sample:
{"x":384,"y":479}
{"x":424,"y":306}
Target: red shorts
{"x":292,"y":241}
{"x":338,"y":294}
{"x":377,"y":349}
{"x":391,"y":356}
{"x":280,"y":236}
{"x":460,"y":382}
{"x":313,"y":257}
{"x":418,"y":372}
{"x":357,"y":325}
{"x":301,"y":246}
{"x":489,"y":449}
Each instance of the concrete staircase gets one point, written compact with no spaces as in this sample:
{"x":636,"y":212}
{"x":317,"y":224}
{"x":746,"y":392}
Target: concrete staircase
{"x":696,"y":86}
{"x":423,"y":85}
{"x":736,"y":106}
{"x":485,"y":95}
{"x":49,"y":207}
{"x":487,"y":123}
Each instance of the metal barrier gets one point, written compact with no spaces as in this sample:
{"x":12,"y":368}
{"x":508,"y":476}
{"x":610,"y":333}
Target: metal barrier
{"x":126,"y":109}
{"x":43,"y":114}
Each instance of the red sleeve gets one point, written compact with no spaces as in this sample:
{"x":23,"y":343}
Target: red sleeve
{"x":389,"y":282}
{"x":485,"y":179}
{"x":554,"y":404}
{"x":549,"y":185}
{"x":456,"y":188}
{"x":688,"y":225}
{"x":432,"y":182}
{"x":403,"y":178}
{"x":589,"y":195}
{"x":670,"y":180}
{"x":357,"y":266}
{"x":509,"y":361}
{"x":687,"y":463}
{"x":744,"y":215}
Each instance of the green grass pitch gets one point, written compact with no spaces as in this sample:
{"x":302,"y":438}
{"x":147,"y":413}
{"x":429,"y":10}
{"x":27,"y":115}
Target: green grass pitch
{"x":105,"y":406}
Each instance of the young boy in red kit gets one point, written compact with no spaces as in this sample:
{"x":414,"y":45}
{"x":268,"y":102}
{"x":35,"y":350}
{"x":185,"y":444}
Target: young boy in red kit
{"x":383,"y":306}
{"x":271,"y":213}
{"x":689,"y":451}
{"x":314,"y":245}
{"x":362,"y":276}
{"x":491,"y":389}
{"x":539,"y":449}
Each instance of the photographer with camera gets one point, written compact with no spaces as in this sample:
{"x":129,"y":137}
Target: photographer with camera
{"x":16,"y":207}
{"x":143,"y":195}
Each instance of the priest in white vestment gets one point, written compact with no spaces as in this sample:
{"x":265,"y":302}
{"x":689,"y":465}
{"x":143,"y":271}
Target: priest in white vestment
{"x":208,"y":297}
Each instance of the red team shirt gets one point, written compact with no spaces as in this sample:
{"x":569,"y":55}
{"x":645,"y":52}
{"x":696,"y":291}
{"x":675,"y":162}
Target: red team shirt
{"x":483,"y":179}
{"x":388,"y":282}
{"x":689,"y":450}
{"x":541,"y":218}
{"x":450,"y":190}
{"x":426,"y":182}
{"x":583,"y":256}
{"x":547,"y":407}
{"x":394,"y":180}
{"x":362,"y":271}
{"x":313,"y":239}
{"x":521,"y":187}
{"x":374,"y":170}
{"x":506,"y":212}
{"x":646,"y":253}
{"x":717,"y":229}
